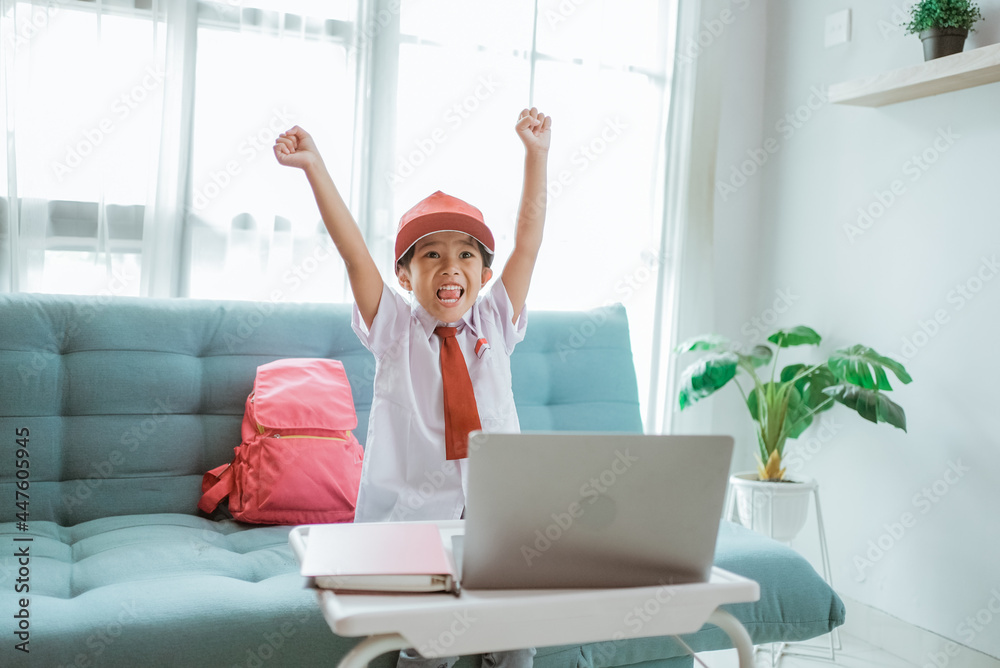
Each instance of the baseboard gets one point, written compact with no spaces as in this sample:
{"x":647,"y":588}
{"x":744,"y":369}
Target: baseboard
{"x":918,"y":646}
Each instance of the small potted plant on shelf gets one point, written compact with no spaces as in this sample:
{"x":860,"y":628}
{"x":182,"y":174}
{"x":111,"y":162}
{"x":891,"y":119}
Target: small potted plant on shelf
{"x":942,"y":25}
{"x":783,"y":407}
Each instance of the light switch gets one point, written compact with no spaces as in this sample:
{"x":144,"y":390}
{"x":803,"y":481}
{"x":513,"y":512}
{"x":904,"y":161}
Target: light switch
{"x":838,"y":28}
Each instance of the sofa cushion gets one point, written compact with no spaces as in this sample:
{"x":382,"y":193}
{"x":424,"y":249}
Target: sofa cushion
{"x":795,"y":602}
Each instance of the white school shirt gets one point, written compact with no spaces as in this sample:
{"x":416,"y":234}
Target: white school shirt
{"x":405,"y":475}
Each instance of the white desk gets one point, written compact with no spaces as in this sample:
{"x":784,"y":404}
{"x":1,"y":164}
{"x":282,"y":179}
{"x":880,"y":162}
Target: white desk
{"x":493,"y":620}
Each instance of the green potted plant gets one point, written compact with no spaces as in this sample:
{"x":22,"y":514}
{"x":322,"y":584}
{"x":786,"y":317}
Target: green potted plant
{"x":942,"y":25}
{"x":783,"y":404}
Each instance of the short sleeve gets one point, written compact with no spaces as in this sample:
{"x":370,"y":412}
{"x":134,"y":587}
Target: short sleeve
{"x":497,"y":305}
{"x":390,"y":324}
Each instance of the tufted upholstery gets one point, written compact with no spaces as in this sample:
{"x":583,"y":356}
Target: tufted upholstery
{"x":129,"y":401}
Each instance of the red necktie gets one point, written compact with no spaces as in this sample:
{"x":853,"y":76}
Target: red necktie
{"x":461,"y":415}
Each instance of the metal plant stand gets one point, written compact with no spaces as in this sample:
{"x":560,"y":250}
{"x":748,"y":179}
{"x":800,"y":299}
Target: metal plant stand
{"x":764,"y":498}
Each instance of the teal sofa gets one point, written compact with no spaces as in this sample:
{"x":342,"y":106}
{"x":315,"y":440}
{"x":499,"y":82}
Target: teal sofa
{"x":112,"y":408}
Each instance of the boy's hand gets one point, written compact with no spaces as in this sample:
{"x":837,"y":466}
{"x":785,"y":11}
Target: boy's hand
{"x":296,"y":148}
{"x":533,"y":127}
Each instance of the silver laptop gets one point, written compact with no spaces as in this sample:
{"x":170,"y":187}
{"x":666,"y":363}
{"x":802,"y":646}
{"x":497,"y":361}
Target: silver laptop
{"x":565,"y":510}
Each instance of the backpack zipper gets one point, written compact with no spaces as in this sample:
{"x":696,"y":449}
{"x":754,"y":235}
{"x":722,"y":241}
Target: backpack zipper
{"x":322,"y":438}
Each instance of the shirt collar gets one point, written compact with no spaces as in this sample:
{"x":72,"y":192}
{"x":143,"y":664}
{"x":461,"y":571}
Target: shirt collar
{"x":429,"y":322}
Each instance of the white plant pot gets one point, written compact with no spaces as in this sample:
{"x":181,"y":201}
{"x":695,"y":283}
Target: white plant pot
{"x":775,"y":509}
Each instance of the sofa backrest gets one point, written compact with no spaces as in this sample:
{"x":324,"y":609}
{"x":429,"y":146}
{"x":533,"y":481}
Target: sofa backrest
{"x":128,"y":401}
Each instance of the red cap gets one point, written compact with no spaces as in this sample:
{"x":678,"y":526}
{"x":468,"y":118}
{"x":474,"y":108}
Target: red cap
{"x":441,"y":213}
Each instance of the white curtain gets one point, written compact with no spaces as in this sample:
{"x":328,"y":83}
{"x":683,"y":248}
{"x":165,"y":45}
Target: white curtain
{"x":166,"y":192}
{"x":82,"y":107}
{"x":685,"y":294}
{"x":252,"y":230}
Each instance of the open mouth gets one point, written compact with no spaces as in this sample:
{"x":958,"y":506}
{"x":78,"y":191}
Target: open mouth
{"x":450,"y":294}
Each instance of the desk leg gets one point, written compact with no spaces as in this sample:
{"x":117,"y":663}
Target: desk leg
{"x":734,"y":629}
{"x":371,"y":647}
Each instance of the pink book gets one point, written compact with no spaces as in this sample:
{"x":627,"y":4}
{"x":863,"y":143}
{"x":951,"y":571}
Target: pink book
{"x":378,"y":556}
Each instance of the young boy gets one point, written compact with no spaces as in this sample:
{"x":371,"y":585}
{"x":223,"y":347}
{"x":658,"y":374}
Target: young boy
{"x":426,"y":400}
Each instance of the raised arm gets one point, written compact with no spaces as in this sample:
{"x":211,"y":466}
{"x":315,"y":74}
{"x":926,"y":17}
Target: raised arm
{"x":296,"y":148}
{"x":533,"y":128}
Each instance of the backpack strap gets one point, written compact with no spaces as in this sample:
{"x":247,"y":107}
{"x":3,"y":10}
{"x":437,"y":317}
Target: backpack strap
{"x":216,"y":485}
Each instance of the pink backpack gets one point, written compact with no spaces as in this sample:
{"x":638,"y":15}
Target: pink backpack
{"x":298,"y":463}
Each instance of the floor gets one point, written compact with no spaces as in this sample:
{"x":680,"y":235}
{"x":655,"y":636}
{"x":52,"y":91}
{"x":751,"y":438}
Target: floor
{"x":855,"y":654}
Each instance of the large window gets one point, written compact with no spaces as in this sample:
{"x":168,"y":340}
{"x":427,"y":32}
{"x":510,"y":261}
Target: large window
{"x":403,"y":98}
{"x":82,"y":92}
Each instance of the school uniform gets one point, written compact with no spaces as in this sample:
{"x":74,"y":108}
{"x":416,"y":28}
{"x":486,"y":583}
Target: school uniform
{"x":405,"y":475}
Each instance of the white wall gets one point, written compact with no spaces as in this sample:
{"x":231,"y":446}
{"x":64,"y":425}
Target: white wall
{"x":787,"y":228}
{"x":737,"y":219}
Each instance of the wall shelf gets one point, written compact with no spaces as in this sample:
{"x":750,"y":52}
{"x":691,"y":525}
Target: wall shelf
{"x":941,"y":75}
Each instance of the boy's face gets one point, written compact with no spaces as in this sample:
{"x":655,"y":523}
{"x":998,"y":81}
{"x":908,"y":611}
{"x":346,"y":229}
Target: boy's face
{"x":445,"y":274}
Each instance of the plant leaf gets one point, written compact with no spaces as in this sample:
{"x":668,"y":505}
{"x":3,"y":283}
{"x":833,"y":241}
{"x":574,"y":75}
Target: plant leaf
{"x":775,"y":417}
{"x":811,"y":399}
{"x":797,"y":418}
{"x":791,"y":371}
{"x":852,"y":365}
{"x":759,"y":356}
{"x":706,"y":376}
{"x":771,"y":470}
{"x":942,"y":14}
{"x":872,"y":405}
{"x":796,"y":336}
{"x":770,"y":406}
{"x":795,"y":429}
{"x":702,"y":342}
{"x":753,"y":404}
{"x":813,"y":394}
{"x":894,"y":366}
{"x":761,"y":446}
{"x":794,"y":416}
